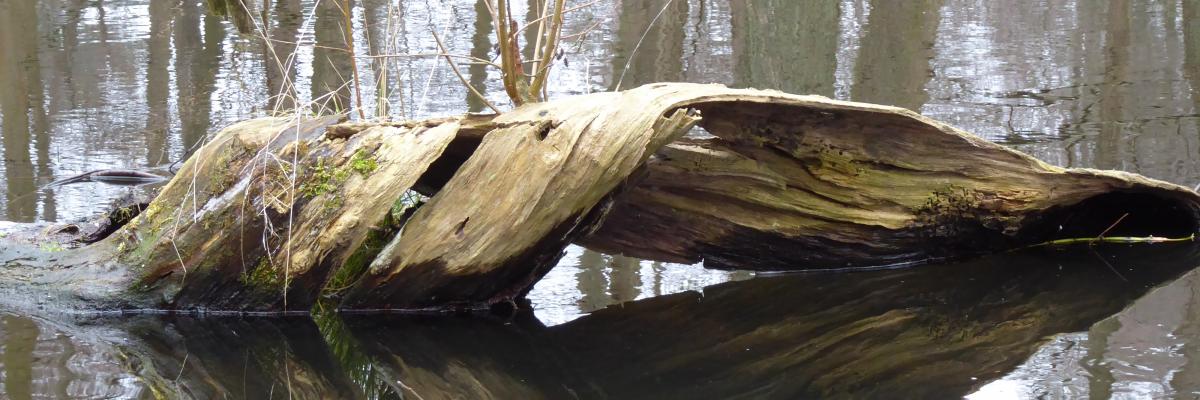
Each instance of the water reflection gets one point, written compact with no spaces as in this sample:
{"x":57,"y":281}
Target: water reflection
{"x":939,"y":331}
{"x":91,"y":85}
{"x":893,"y":63}
{"x":21,"y":106}
{"x":787,"y":45}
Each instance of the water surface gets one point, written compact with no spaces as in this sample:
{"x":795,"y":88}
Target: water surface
{"x":88,"y":85}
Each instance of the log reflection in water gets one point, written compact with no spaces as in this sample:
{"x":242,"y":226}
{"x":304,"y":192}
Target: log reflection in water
{"x":939,"y":330}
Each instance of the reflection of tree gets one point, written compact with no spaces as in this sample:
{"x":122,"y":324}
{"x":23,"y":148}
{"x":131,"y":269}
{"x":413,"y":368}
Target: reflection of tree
{"x":376,"y":25}
{"x":196,"y":68}
{"x":331,"y":58}
{"x":20,"y":97}
{"x":659,"y":58}
{"x":1191,"y":40}
{"x":626,"y":277}
{"x":591,"y":282}
{"x":1111,"y":104}
{"x":1189,"y":374}
{"x":481,"y":45}
{"x":281,"y":64}
{"x":158,"y":81}
{"x":893,"y":61}
{"x":19,"y":337}
{"x":788,"y":45}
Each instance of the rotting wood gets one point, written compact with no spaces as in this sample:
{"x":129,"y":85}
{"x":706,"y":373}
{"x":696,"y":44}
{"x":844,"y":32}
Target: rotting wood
{"x":804,"y":182}
{"x":261,"y":218}
{"x":502,"y":221}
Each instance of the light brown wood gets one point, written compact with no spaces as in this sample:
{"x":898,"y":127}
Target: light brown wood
{"x":262,"y":216}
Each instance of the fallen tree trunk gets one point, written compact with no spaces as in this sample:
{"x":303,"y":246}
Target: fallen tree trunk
{"x":275,"y":211}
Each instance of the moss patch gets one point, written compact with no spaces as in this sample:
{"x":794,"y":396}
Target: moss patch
{"x":363,"y":163}
{"x":263,"y":277}
{"x":357,"y":263}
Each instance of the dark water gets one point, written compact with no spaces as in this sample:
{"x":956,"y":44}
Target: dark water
{"x":88,"y":84}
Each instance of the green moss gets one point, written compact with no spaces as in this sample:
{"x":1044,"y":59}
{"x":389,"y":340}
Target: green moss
{"x":52,"y":247}
{"x":262,"y":277}
{"x":323,"y":179}
{"x":363,"y":163}
{"x":358,"y":262}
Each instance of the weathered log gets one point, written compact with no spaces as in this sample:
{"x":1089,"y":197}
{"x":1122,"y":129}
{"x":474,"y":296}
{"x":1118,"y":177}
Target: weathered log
{"x":529,"y":189}
{"x":265,"y":241}
{"x":265,"y":214}
{"x":803,"y":182}
{"x":792,"y":182}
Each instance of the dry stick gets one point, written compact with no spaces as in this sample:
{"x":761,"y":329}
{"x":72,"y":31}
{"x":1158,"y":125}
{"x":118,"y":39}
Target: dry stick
{"x":565,"y":12}
{"x":474,"y":60}
{"x":541,"y":33}
{"x":547,"y":52}
{"x":459,"y":74}
{"x":1114,"y":225}
{"x":1121,"y":239}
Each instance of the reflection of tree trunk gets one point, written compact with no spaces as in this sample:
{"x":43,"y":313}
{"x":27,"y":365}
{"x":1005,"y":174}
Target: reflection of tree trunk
{"x":659,"y":58}
{"x":788,"y":45}
{"x":626,"y":277}
{"x":1112,"y":99}
{"x":19,"y":339}
{"x":158,"y":81}
{"x":893,"y":62}
{"x":590,"y":280}
{"x":196,"y":68}
{"x":481,"y":46}
{"x":331,"y":59}
{"x":19,"y":79}
{"x":1188,"y":375}
{"x":1191,"y":40}
{"x":281,"y":64}
{"x":1100,"y":377}
{"x":376,"y":24}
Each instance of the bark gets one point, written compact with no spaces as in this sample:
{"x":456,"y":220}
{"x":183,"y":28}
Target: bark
{"x":263,"y":216}
{"x":808,"y":183}
{"x":529,"y":189}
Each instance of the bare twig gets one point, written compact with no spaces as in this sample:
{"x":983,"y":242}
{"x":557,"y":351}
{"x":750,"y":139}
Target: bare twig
{"x":1110,"y":227}
{"x":454,"y":68}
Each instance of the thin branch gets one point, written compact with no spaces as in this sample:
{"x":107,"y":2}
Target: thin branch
{"x":454,"y":68}
{"x":1110,"y":227}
